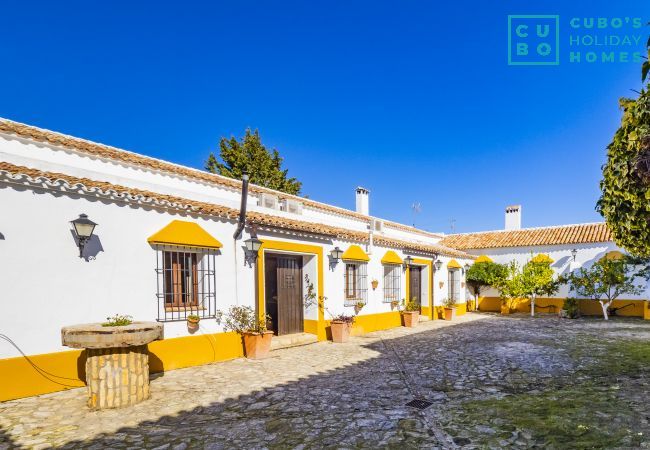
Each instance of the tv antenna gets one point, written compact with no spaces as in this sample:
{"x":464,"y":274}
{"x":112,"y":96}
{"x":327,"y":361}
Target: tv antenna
{"x":417,"y":209}
{"x":452,"y":225}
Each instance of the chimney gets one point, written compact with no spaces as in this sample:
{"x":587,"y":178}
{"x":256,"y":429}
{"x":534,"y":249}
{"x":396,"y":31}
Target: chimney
{"x":513,"y":217}
{"x":363,"y":201}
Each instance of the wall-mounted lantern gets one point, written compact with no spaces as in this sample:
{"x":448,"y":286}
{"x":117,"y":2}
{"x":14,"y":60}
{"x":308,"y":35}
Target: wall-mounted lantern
{"x":336,"y":255}
{"x":83,"y":228}
{"x":253,"y":246}
{"x":574,"y":253}
{"x":466,"y":268}
{"x":408,"y":261}
{"x":438,"y":265}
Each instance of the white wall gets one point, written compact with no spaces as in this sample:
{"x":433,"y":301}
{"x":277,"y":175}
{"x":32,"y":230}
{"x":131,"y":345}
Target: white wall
{"x":562,"y":257}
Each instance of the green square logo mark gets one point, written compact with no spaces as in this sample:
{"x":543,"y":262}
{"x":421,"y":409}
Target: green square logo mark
{"x":533,"y":40}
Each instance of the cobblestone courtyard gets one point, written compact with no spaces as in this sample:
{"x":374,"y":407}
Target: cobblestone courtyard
{"x":494,"y":382}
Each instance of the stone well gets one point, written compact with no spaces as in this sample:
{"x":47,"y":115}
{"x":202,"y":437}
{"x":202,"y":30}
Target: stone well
{"x":117,"y":364}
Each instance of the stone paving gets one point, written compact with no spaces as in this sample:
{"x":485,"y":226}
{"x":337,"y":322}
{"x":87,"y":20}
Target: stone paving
{"x":494,"y":381}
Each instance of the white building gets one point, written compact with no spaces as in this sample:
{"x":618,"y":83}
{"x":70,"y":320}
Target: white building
{"x":164,"y":248}
{"x":569,"y":247}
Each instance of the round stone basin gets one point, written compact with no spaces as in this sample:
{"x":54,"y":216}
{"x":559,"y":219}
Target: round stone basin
{"x":94,"y":335}
{"x":117,"y":361}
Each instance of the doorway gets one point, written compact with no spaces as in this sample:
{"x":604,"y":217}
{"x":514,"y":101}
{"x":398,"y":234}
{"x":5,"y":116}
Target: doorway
{"x":415,"y":284}
{"x":283,"y":293}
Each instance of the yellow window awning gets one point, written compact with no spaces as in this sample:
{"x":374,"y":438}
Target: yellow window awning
{"x":390,"y":257}
{"x":355,"y":253}
{"x":188,"y":234}
{"x":613,"y":255}
{"x":483,"y":258}
{"x":453,"y":264}
{"x":542,"y":258}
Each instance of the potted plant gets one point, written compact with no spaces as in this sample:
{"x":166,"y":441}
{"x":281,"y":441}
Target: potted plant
{"x":359,"y":306}
{"x":252,"y":328}
{"x":341,"y":326}
{"x":411,"y":313}
{"x":374,"y":284}
{"x":394,"y":304}
{"x":193,"y":322}
{"x":450,"y":308}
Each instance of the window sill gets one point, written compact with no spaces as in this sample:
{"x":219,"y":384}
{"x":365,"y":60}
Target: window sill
{"x":185,"y":309}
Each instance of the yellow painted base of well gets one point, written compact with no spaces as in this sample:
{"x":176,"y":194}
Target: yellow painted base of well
{"x":19,"y":379}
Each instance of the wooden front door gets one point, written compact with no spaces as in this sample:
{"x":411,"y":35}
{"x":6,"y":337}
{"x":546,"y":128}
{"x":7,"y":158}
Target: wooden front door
{"x":415,"y":284}
{"x":284,"y":301}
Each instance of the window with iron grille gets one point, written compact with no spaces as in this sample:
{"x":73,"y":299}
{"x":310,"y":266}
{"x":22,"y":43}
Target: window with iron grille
{"x":392,"y":283}
{"x":453,"y":285}
{"x":186,"y":282}
{"x":356,"y":283}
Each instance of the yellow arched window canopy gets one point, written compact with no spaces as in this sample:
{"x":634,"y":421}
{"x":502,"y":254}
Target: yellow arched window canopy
{"x":542,"y":258}
{"x":390,"y":257}
{"x":483,"y":258}
{"x":355,"y":253}
{"x":188,"y":234}
{"x":453,"y":264}
{"x":613,"y":255}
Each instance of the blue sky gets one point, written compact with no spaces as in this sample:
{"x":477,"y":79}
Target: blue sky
{"x":411,"y":99}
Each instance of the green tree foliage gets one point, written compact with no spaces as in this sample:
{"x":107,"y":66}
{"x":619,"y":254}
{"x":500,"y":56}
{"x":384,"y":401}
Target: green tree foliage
{"x":263,"y":166}
{"x":537,"y":278}
{"x":509,"y":285}
{"x":607,"y":279}
{"x":482,"y":275}
{"x":534,"y":279}
{"x":625,"y":199}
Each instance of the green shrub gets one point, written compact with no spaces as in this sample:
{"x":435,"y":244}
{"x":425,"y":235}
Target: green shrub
{"x":572,"y":307}
{"x":118,"y":320}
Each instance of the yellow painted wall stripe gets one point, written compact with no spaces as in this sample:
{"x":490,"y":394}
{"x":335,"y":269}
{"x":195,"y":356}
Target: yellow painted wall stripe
{"x":305,"y":249}
{"x":181,"y":232}
{"x":355,"y":253}
{"x":390,"y":257}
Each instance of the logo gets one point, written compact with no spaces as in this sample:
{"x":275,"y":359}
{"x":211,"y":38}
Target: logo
{"x":533,"y":40}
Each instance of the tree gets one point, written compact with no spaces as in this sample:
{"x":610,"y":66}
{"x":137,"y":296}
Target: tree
{"x":609,"y":278}
{"x":509,"y":285}
{"x":263,"y":166}
{"x":537,"y":278}
{"x":625,"y":186}
{"x":534,"y":279}
{"x":482,"y":275}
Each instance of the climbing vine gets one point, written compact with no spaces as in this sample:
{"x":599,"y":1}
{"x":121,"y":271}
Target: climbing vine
{"x":625,"y":186}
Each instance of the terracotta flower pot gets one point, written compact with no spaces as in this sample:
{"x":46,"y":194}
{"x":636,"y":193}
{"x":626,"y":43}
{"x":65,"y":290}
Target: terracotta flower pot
{"x":411,"y":318}
{"x":257,"y":345}
{"x":193,"y":324}
{"x":450,"y":313}
{"x":340,"y":331}
{"x":505,"y":310}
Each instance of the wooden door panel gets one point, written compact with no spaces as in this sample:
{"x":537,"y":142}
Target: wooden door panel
{"x":290,"y":304}
{"x":415,"y":285}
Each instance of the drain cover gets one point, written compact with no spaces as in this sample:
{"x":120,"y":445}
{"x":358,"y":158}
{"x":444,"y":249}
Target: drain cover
{"x":419,"y":403}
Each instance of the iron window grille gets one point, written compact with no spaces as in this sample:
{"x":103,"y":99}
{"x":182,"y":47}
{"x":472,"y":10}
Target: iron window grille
{"x":356,"y":283}
{"x":392,"y":283}
{"x":185,"y":283}
{"x":453,"y":285}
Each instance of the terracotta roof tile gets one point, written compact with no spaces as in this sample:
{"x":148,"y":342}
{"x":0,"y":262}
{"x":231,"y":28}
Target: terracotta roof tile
{"x":211,"y":209}
{"x":557,"y":235}
{"x":426,"y":248}
{"x":123,"y":156}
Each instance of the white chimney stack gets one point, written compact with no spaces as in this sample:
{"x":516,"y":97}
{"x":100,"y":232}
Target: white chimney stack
{"x":513,"y":217}
{"x":363,"y":201}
